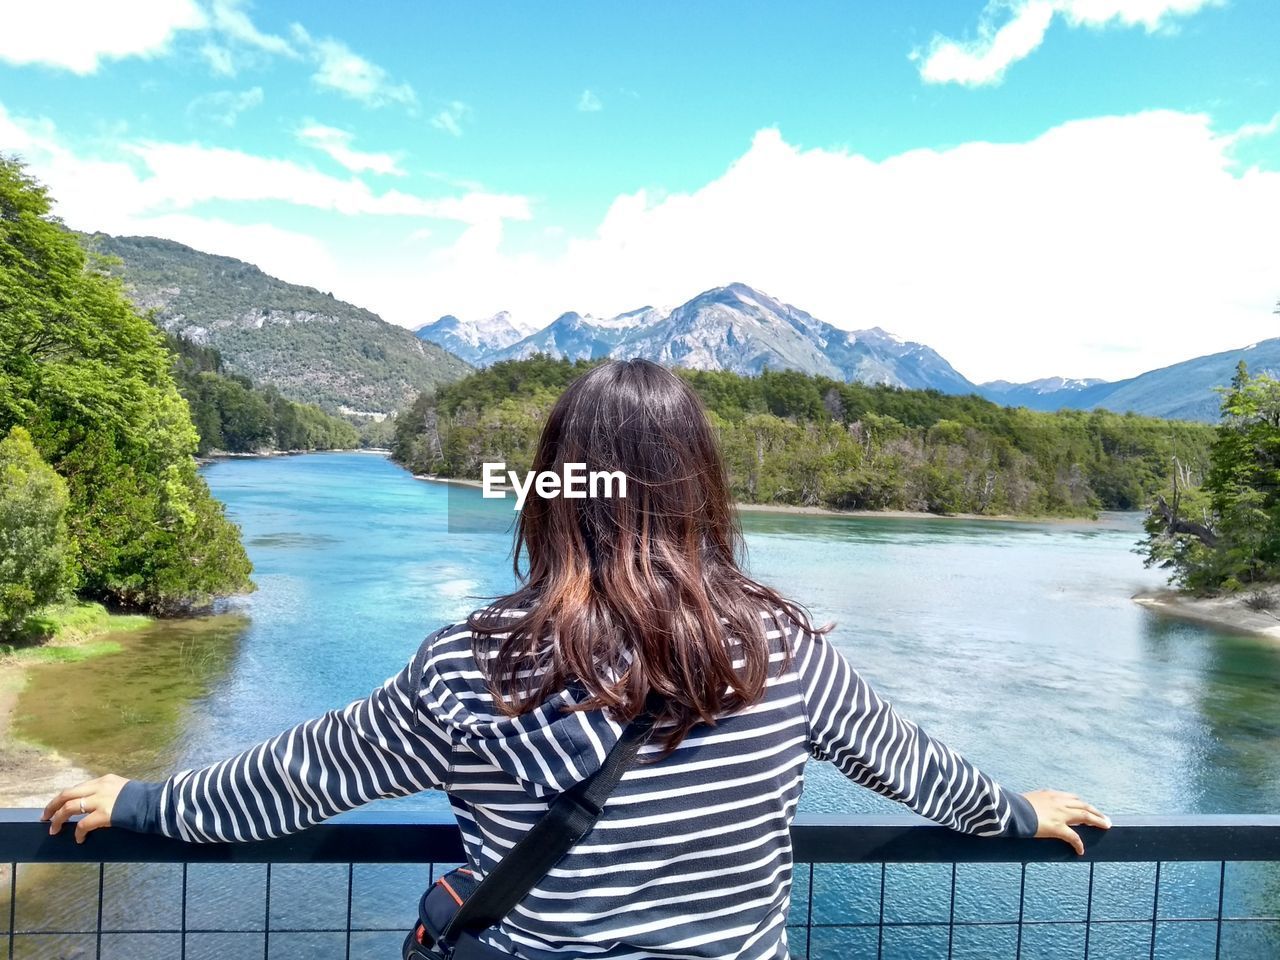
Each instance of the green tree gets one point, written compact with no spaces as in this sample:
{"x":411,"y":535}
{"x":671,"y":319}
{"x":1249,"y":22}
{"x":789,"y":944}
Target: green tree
{"x":34,"y":567}
{"x":90,"y":379}
{"x":793,"y":438}
{"x":1222,"y":530}
{"x":1244,"y":479}
{"x":233,"y":415}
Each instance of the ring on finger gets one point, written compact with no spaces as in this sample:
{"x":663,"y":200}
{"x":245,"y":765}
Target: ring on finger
{"x":82,"y":810}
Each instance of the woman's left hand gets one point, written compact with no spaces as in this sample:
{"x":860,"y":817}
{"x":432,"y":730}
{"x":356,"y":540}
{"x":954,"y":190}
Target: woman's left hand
{"x":93,"y":798}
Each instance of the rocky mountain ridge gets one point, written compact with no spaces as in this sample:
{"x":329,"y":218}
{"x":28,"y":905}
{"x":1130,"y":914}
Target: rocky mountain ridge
{"x":735,"y":328}
{"x":311,"y":346}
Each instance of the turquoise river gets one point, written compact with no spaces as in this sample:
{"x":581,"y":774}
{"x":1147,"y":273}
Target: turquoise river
{"x":1017,"y":643}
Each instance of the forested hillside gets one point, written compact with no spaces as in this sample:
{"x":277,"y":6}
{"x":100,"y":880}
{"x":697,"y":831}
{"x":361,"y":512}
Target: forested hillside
{"x":232,"y":415}
{"x":790,"y":438}
{"x":310,"y":346}
{"x":87,"y":393}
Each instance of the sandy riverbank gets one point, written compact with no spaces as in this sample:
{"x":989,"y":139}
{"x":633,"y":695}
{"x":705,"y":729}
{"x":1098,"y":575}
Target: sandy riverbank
{"x":29,"y":773}
{"x":32,"y":774}
{"x":432,"y":478}
{"x":1229,"y":611}
{"x":213,"y":456}
{"x":903,"y":514}
{"x":827,"y":512}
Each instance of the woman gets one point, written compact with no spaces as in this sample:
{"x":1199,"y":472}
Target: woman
{"x":623,"y":596}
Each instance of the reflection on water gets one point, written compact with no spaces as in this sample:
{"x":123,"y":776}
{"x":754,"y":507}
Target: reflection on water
{"x":118,"y":712}
{"x":315,"y":540}
{"x":125,"y":711}
{"x":1019,"y":644}
{"x":1015,"y":642}
{"x":1240,"y":716}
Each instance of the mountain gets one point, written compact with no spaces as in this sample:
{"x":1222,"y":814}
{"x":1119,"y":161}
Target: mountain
{"x":1181,"y":391}
{"x":575,"y":337}
{"x":471,"y":341}
{"x":734,"y":328}
{"x":1035,"y":394}
{"x":1185,"y":390}
{"x":742,"y":330}
{"x":312,"y":347}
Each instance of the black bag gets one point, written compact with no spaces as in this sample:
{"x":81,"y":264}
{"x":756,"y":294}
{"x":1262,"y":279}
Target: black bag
{"x":457,"y":907}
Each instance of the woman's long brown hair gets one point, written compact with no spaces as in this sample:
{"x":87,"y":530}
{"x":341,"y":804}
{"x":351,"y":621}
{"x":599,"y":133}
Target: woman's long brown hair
{"x":624,"y":596}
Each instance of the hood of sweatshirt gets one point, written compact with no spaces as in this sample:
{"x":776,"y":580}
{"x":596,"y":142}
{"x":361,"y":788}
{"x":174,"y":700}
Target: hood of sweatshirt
{"x":546,"y":751}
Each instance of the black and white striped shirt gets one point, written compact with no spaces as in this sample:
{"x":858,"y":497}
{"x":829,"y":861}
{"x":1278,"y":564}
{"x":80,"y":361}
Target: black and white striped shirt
{"x":692,"y":856}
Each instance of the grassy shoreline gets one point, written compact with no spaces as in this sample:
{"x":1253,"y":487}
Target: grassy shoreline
{"x":72,"y":632}
{"x":67,"y":626}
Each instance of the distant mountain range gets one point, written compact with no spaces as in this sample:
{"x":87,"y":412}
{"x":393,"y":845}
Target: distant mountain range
{"x":1182,"y":391}
{"x":311,"y":346}
{"x":473,"y":342}
{"x":1033,"y":393}
{"x":742,"y":330}
{"x":734,"y":328}
{"x":317,"y":349}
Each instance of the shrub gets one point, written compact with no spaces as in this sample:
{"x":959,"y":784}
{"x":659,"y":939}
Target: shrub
{"x":34,"y":566}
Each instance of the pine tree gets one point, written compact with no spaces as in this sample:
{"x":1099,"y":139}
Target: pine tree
{"x":1244,"y":480}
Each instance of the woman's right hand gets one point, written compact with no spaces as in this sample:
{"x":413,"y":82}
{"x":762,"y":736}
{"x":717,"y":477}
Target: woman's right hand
{"x":1057,"y":812}
{"x":96,"y":799}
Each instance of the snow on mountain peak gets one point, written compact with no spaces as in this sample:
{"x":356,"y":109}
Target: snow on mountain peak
{"x":736,"y":328}
{"x":884,"y":334}
{"x":472,"y":339}
{"x":643,"y":316}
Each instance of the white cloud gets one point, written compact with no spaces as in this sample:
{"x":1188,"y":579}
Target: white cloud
{"x":148,"y":179}
{"x":1151,"y":14}
{"x":236,"y":42}
{"x":589,"y":102}
{"x":1009,"y":30}
{"x":450,"y":118}
{"x":108,"y":196}
{"x":186,"y":175}
{"x":337,"y":144}
{"x":341,"y":69}
{"x":985,"y":59}
{"x":287,"y":254}
{"x":225,"y":106}
{"x":220,"y":59}
{"x":77,"y":35}
{"x":1252,"y":131}
{"x":230,"y":18}
{"x":1103,"y":247}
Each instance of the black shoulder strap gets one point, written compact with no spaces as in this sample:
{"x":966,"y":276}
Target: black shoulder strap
{"x":568,"y":819}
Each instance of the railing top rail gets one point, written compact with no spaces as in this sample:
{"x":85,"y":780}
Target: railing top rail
{"x":371,"y":836}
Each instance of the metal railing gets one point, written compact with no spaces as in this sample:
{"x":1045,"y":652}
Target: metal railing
{"x":885,"y":887}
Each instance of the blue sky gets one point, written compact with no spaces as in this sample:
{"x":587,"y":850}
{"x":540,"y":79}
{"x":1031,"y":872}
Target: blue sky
{"x":1033,"y":187}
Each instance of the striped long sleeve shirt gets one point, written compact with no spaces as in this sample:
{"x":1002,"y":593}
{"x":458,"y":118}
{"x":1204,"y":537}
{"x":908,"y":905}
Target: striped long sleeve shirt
{"x":692,"y":855}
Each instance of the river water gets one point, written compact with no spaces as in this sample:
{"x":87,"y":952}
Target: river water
{"x":1017,"y":643}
